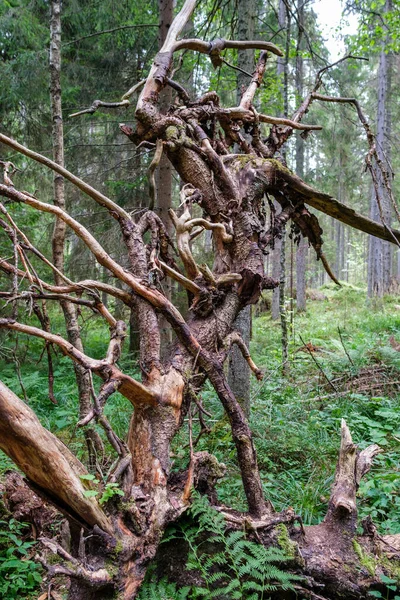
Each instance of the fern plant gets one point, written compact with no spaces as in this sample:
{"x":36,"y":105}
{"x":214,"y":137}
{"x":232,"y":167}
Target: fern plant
{"x":162,"y":590}
{"x":233,"y":569}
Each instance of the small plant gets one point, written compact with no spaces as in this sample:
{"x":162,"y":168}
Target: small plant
{"x":19,"y":576}
{"x":391,"y":586}
{"x":233,"y":567}
{"x":162,"y":590}
{"x":110,"y":490}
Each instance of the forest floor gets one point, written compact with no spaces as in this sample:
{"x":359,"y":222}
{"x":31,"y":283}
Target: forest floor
{"x":344,"y":362}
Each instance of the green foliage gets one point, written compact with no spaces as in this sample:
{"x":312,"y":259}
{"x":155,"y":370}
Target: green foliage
{"x":296,"y":419}
{"x":111,"y":490}
{"x":231,"y":567}
{"x":162,"y":590}
{"x":379,"y":26}
{"x":391,"y":586}
{"x":19,"y":575}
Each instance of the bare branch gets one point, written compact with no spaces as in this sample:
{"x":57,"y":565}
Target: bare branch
{"x":95,"y":579}
{"x":133,"y":89}
{"x":184,"y":281}
{"x":248,"y":96}
{"x":236,"y":338}
{"x":97,"y":104}
{"x":204,"y":113}
{"x":107,"y":31}
{"x":79,"y":183}
{"x":8,"y":170}
{"x":151,"y":175}
{"x":133,"y":390}
{"x":215,"y":47}
{"x":85,"y":285}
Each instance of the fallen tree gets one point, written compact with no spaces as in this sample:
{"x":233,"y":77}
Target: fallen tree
{"x":228,"y":189}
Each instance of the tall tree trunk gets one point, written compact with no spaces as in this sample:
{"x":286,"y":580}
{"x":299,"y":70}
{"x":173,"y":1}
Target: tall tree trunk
{"x":282,"y":72}
{"x":379,"y":255}
{"x":58,"y":239}
{"x":279,"y":269}
{"x":301,"y":252}
{"x":239,"y":371}
{"x":338,"y":243}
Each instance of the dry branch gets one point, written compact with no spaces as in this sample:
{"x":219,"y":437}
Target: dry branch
{"x":79,"y":183}
{"x":133,"y":390}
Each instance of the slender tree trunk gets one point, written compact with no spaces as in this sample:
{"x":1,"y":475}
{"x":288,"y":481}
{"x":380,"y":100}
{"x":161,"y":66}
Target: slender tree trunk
{"x":284,"y":20}
{"x":58,"y":239}
{"x":301,"y":252}
{"x":379,"y":255}
{"x":282,"y":72}
{"x":239,"y":371}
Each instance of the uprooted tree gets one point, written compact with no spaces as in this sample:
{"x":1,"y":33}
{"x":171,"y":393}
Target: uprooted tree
{"x":230,"y":175}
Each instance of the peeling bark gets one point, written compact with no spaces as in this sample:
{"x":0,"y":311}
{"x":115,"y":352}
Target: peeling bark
{"x":46,"y":461}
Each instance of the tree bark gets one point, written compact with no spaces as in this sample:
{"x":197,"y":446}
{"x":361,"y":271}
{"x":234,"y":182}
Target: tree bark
{"x":164,"y":175}
{"x":238,"y":369}
{"x":47,"y":462}
{"x":58,"y":239}
{"x":301,"y":251}
{"x":282,"y":72}
{"x":379,"y":255}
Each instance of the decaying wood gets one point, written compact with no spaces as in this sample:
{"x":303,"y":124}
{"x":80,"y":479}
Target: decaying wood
{"x":352,"y":465}
{"x":227,"y":190}
{"x":46,"y":461}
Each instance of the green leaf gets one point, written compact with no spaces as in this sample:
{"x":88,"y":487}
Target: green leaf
{"x":88,"y":477}
{"x":90,"y":493}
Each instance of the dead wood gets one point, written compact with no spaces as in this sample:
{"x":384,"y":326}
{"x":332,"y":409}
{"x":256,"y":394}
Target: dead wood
{"x":201,"y":139}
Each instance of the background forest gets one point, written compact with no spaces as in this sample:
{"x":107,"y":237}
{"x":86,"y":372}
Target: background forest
{"x":328,"y":351}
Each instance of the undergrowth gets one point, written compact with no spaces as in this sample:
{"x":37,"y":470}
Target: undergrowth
{"x":19,"y":574}
{"x":295,"y":419}
{"x":229,"y":565}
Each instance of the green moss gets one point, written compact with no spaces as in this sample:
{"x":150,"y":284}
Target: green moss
{"x":284,"y":541}
{"x":111,"y":567}
{"x":366,"y":560}
{"x":278,"y":165}
{"x":391,"y":567}
{"x":118,"y":547}
{"x":52,"y":559}
{"x":244,"y":158}
{"x":171,"y":133}
{"x":241,"y":160}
